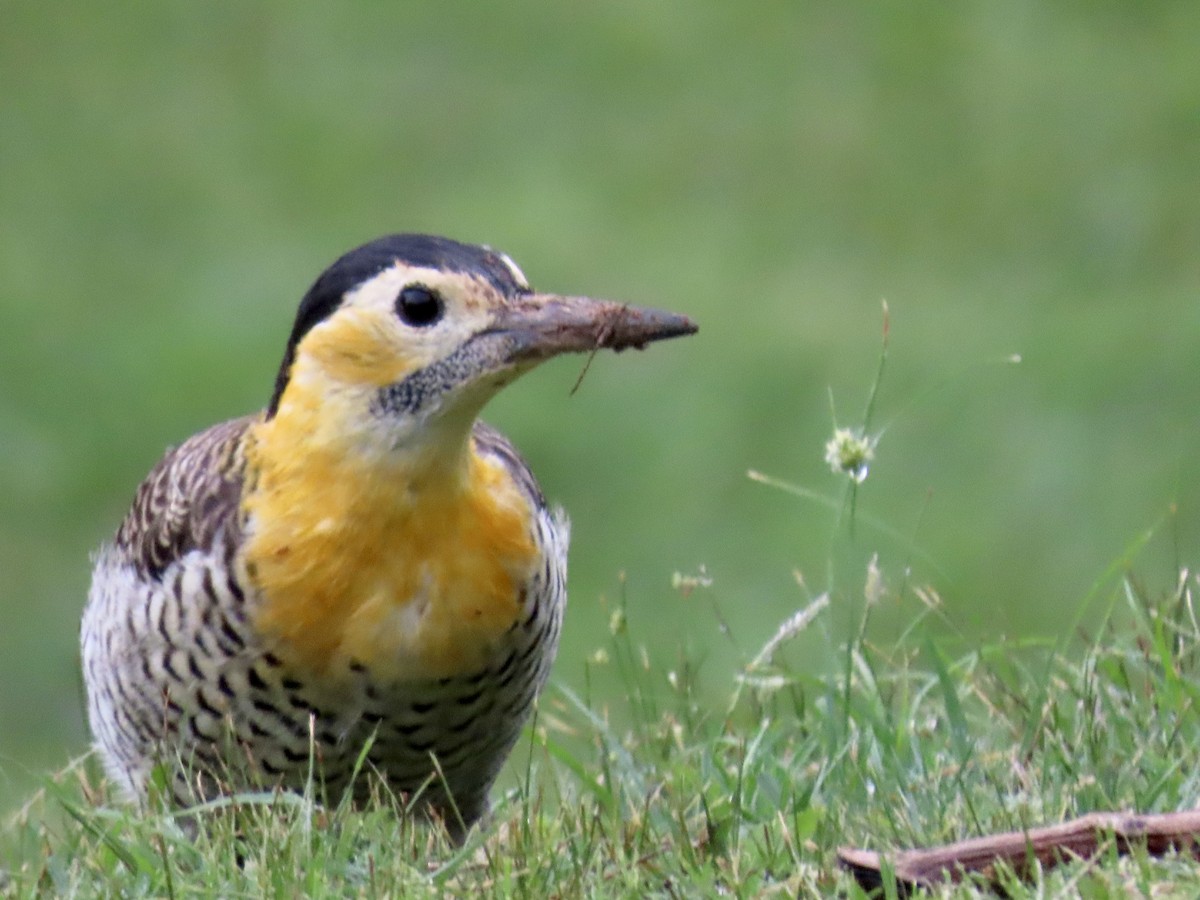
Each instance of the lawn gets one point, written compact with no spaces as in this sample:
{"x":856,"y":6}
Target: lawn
{"x":1013,"y":181}
{"x":664,"y":793}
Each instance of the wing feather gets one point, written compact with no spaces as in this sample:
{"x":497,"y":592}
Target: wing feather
{"x":188,"y":501}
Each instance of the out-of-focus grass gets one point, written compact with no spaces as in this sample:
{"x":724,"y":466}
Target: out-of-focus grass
{"x":1017,"y":179}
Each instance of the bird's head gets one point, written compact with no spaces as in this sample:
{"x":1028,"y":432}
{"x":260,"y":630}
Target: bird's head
{"x":402,"y":341}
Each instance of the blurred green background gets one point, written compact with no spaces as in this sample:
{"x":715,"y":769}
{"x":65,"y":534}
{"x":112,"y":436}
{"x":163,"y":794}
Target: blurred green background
{"x":1012,"y":178}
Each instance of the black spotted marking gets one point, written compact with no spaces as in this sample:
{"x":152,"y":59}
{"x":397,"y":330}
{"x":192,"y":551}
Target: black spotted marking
{"x":141,"y":727}
{"x":421,"y":708}
{"x":422,"y":746}
{"x":365,"y":262}
{"x":210,"y":594}
{"x":450,"y":754}
{"x":463,"y":725}
{"x":194,"y":667}
{"x":230,"y":634}
{"x":291,"y":684}
{"x":225,"y":687}
{"x":517,"y":706}
{"x":208,"y":706}
{"x":125,"y":721}
{"x":505,"y":668}
{"x":204,"y":754}
{"x":295,"y":728}
{"x":328,"y":737}
{"x":193,"y":724}
{"x":231,"y":583}
{"x":534,"y":646}
{"x":255,"y":680}
{"x":267,"y":707}
{"x":139,"y":615}
{"x":295,"y":756}
{"x":137,"y":712}
{"x":226,"y":650}
{"x":304,"y":705}
{"x":485,"y":709}
{"x":160,"y":626}
{"x":469,"y":699}
{"x":200,"y":638}
{"x":169,"y":668}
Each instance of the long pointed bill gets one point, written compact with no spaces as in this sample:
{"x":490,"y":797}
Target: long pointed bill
{"x":543,"y":325}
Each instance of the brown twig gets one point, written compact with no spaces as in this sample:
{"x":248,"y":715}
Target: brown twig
{"x":605,"y":329}
{"x":587,"y":364}
{"x":1081,"y":838}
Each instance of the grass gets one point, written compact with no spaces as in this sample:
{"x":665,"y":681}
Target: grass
{"x":663,"y":794}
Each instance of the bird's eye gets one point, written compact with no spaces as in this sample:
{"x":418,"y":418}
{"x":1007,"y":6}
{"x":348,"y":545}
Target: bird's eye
{"x":419,"y":306}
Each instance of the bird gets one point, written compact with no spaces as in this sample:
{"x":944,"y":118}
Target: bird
{"x":363,"y":579}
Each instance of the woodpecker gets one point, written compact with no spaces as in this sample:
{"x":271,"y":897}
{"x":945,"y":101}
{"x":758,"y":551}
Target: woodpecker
{"x":362,"y":577}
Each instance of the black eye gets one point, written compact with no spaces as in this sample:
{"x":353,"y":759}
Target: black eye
{"x":419,"y":306}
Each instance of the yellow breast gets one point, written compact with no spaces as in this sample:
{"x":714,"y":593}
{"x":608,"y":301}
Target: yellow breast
{"x":415,"y":573}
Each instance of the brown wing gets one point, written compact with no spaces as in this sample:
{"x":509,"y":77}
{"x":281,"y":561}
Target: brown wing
{"x":190,"y":497}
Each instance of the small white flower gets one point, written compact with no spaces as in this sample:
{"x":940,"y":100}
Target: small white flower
{"x":850,"y":452}
{"x":616,"y":622}
{"x":875,"y":587}
{"x":685,"y":584}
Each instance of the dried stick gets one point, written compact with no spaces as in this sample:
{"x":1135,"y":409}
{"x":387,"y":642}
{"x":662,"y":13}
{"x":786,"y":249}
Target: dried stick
{"x":1081,"y":838}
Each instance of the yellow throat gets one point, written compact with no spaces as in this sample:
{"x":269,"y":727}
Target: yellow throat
{"x":411,"y":565}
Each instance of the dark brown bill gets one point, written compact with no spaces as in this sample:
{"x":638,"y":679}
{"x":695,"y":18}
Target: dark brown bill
{"x":545,"y":325}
